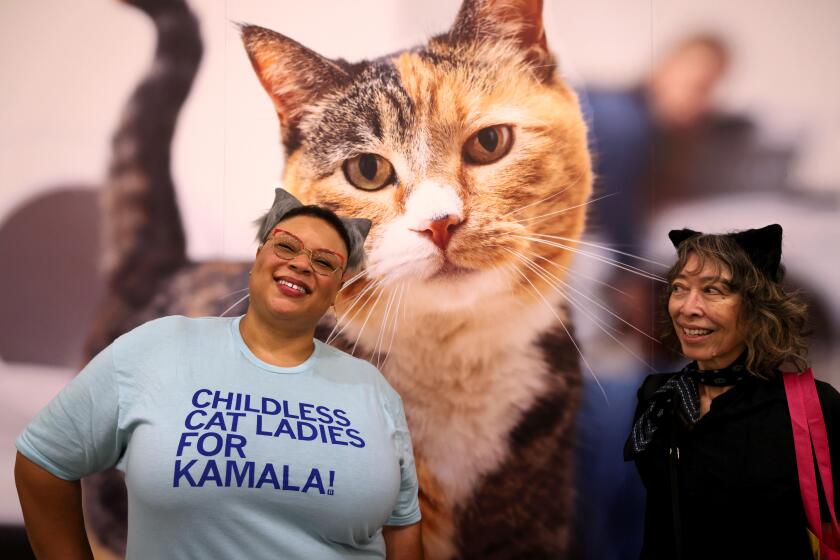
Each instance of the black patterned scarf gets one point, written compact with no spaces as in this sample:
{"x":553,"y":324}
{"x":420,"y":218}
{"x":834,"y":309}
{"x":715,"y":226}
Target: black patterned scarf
{"x":679,"y":395}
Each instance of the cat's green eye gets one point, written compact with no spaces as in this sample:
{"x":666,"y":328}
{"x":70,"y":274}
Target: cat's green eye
{"x":369,"y":172}
{"x":489,"y":144}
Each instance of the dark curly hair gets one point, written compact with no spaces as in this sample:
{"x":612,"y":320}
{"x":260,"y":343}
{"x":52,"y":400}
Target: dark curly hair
{"x":773,"y":319}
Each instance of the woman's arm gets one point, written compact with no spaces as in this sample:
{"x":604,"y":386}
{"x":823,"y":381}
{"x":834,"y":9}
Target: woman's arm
{"x":403,"y":542}
{"x":52,"y":511}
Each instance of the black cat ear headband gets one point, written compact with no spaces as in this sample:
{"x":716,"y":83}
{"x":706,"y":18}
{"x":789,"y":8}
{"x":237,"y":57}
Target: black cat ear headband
{"x":357,"y":228}
{"x":763,"y":246}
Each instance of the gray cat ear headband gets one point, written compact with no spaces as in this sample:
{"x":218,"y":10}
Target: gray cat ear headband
{"x":284,"y":202}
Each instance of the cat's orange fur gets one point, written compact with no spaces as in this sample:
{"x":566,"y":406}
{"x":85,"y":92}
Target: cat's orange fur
{"x":464,"y":392}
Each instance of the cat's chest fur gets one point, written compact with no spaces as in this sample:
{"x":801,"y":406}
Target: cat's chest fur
{"x":467,"y":379}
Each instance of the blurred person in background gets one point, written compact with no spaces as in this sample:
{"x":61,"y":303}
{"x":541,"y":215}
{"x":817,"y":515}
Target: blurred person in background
{"x":640,"y":136}
{"x":642,"y":139}
{"x":645,"y":141}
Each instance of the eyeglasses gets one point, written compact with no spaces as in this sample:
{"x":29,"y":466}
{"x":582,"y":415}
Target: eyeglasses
{"x":286,"y":246}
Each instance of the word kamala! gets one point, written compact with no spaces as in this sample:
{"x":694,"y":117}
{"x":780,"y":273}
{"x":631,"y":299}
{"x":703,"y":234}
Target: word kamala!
{"x":247,"y":474}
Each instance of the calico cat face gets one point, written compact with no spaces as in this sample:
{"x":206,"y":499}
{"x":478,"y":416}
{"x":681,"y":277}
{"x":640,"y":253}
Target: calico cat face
{"x":467,"y":153}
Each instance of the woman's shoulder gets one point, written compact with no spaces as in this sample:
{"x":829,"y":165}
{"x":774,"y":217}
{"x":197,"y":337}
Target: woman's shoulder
{"x":166,"y":337}
{"x":358,"y":369}
{"x":828,"y":395}
{"x":830,"y":406}
{"x":336,"y":355}
{"x":175,"y":325}
{"x":349,"y":365}
{"x":826,"y":388}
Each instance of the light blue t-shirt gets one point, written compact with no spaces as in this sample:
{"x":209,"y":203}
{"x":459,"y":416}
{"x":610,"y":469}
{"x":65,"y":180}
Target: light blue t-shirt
{"x":226,"y":456}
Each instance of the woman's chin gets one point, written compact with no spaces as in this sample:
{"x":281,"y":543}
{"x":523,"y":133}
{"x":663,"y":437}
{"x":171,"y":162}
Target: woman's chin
{"x":697,"y":354}
{"x":288,"y":310}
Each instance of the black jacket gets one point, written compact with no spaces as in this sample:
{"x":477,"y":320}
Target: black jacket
{"x":735,"y":470}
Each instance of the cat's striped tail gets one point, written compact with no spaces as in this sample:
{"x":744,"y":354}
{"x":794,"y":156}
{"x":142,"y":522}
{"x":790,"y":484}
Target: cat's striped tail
{"x":143,"y":239}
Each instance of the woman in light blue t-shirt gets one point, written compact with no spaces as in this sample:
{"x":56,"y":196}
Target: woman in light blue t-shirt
{"x":239,"y":437}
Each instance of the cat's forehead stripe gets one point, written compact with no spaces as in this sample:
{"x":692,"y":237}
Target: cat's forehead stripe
{"x":421,"y":81}
{"x":390,"y":101}
{"x":375,"y":104}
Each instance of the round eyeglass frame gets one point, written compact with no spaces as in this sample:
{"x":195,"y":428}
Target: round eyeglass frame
{"x":303,"y":249}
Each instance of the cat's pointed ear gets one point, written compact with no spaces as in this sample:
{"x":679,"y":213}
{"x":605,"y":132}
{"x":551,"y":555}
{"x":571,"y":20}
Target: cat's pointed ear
{"x":677,"y":236}
{"x":764,"y":248}
{"x":490,"y":20}
{"x":295,"y":77}
{"x":283,"y":202}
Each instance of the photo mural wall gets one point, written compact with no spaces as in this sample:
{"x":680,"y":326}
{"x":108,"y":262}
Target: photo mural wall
{"x":472,"y":154}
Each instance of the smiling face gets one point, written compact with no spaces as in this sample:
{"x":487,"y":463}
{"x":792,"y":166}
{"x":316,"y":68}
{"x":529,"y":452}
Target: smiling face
{"x":291,"y":289}
{"x":704,"y":312}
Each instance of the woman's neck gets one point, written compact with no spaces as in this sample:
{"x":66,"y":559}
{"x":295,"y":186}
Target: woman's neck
{"x":276,"y":344}
{"x":707,"y":393}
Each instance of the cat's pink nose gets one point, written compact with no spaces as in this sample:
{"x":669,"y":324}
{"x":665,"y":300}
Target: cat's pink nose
{"x":441,"y":229}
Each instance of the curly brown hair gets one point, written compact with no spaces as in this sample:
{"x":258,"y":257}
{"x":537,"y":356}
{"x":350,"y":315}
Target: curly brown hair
{"x":773,"y":319}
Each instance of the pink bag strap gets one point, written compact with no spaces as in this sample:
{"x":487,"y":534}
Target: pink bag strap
{"x":809,"y":435}
{"x":819,"y":438}
{"x":802,"y":447}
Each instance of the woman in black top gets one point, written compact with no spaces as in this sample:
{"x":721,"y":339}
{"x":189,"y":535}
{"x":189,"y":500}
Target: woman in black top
{"x":713,"y":443}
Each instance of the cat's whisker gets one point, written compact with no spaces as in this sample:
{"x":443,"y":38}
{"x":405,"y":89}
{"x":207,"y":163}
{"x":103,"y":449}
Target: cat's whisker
{"x":566,"y":209}
{"x":365,"y":294}
{"x":548,"y":277}
{"x":544,"y":274}
{"x":352,"y":280}
{"x":237,"y":302}
{"x":338,"y":319}
{"x":377,"y":349}
{"x":593,"y":301}
{"x":546,"y":199}
{"x":605,"y":328}
{"x":381,"y":290}
{"x":394,"y":327}
{"x":603,"y":247}
{"x":570,"y":183}
{"x":245,"y":289}
{"x":589,"y":314}
{"x":598,"y":322}
{"x":572,"y":249}
{"x":571,"y":272}
{"x":404,"y":308}
{"x":380,"y":271}
{"x":599,"y":258}
{"x":569,"y":334}
{"x":333,"y":335}
{"x":537,"y":66}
